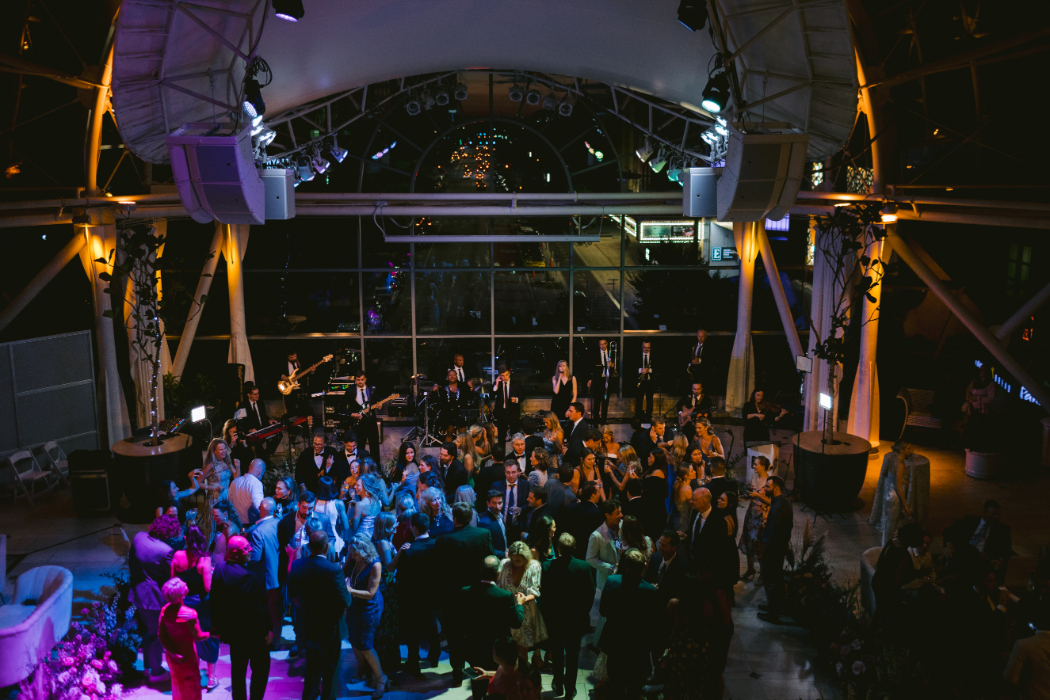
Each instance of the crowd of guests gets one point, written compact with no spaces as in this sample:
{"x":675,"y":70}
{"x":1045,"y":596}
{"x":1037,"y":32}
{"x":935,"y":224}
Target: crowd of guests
{"x":497,"y":553}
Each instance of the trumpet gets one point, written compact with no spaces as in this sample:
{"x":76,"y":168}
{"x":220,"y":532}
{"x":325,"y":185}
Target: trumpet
{"x":614,"y":370}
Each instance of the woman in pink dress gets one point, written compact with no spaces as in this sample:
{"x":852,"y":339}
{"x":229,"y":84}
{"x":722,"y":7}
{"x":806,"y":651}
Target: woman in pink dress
{"x":179,"y":632}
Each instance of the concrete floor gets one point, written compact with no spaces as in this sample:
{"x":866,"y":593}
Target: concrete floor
{"x":764,"y":661}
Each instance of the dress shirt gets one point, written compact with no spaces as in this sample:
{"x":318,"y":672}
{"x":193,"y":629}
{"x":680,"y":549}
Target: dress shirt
{"x":506,"y":393}
{"x":246,"y":493}
{"x":292,"y":366}
{"x":698,"y":526}
{"x":498,"y":517}
{"x":510,"y":498}
{"x":459,"y":374}
{"x":645,"y":362}
{"x":255,"y":409}
{"x":520,"y":459}
{"x":980,"y":536}
{"x":664,"y":563}
{"x":362,"y":397}
{"x":1030,"y":659}
{"x":605,"y":364}
{"x":319,"y":460}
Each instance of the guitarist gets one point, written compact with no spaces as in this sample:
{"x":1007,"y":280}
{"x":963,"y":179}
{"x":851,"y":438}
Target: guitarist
{"x":690,"y":408}
{"x":297,"y":403}
{"x":363,"y":420}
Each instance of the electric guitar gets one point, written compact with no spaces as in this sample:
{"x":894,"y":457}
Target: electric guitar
{"x":288,"y":384}
{"x":371,"y":408}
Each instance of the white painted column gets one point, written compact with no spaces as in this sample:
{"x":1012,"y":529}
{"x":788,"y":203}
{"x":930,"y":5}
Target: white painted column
{"x":101,"y":239}
{"x":233,"y":249}
{"x":742,"y":361}
{"x":816,"y":379}
{"x":864,"y":402}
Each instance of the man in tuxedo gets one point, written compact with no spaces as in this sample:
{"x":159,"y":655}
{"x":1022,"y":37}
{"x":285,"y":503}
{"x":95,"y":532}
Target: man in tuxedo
{"x":602,"y":382}
{"x":989,"y":536}
{"x":453,"y":473}
{"x":417,"y":563}
{"x":568,"y":594}
{"x":344,"y":457}
{"x":719,"y":483}
{"x":629,"y":604}
{"x":776,"y":537}
{"x":461,"y":373}
{"x":515,"y":492}
{"x":582,"y":517}
{"x":255,"y":418}
{"x":320,"y":461}
{"x":298,"y":402}
{"x":590,"y":439}
{"x":579,"y":424}
{"x":488,"y":613}
{"x":149,"y":562}
{"x":530,"y":517}
{"x":518,"y":452}
{"x":533,"y":429}
{"x":506,"y":405}
{"x":634,"y":505}
{"x":695,"y":366}
{"x":667,"y":571}
{"x":493,"y":521}
{"x":646,"y":387}
{"x":318,"y":587}
{"x":708,"y":537}
{"x":459,"y":555}
{"x":265,"y":560}
{"x":359,"y":403}
{"x":240,"y":617}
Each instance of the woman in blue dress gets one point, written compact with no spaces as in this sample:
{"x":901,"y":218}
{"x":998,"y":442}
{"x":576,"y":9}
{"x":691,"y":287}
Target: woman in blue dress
{"x":364,"y":571}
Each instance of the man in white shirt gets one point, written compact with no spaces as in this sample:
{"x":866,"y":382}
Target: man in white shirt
{"x":601,"y":546}
{"x":246,"y":493}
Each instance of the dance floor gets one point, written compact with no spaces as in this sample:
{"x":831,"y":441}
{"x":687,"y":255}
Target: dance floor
{"x":765,"y":661}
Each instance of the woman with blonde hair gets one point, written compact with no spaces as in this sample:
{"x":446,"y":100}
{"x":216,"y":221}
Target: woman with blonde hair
{"x":709,"y":443}
{"x":610,"y":447}
{"x":481,"y":443}
{"x":679,"y":450}
{"x":553,"y":432}
{"x":216,"y":477}
{"x":371,"y":491}
{"x":564,"y":386}
{"x":520,"y":574}
{"x":465,"y":494}
{"x":468,"y":455}
{"x":631,"y":465}
{"x":432,"y":502}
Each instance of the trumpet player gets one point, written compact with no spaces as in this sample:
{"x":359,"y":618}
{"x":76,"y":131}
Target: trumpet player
{"x":602,"y":381}
{"x":643,"y":398}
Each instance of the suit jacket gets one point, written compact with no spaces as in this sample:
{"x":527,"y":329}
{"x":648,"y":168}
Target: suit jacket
{"x":353,"y":406}
{"x":720,"y":485}
{"x":460,"y":553}
{"x":499,"y":535}
{"x":455,"y":475}
{"x":319,"y":588}
{"x":559,"y":495}
{"x":672,"y":582}
{"x":285,"y":533}
{"x":633,"y":506}
{"x":707,"y":549}
{"x":150,"y":565}
{"x":266,"y":552}
{"x":649,"y":383}
{"x":568,"y":594}
{"x":997,"y":545}
{"x":238,"y":604}
{"x":487,"y":612}
{"x":629,"y":609}
{"x":306,"y":470}
{"x":521,"y":493}
{"x":415,"y":571}
{"x":580,"y":519}
{"x":602,"y":555}
{"x":253,"y":422}
{"x":484,"y":478}
{"x":532,"y":442}
{"x":781,"y":519}
{"x":576,"y":434}
{"x":502,"y":408}
{"x":531,"y":520}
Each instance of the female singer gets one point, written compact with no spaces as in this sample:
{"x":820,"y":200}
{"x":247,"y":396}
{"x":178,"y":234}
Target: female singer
{"x":564,"y":386}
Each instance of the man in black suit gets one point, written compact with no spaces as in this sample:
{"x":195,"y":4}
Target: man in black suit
{"x":485,"y":478}
{"x":692,"y":407}
{"x":320,"y":461}
{"x":318,"y":587}
{"x":645,"y":443}
{"x":708,"y":537}
{"x":349,"y":454}
{"x":417,"y":563}
{"x":298,"y":402}
{"x":989,"y":536}
{"x":530,"y":517}
{"x":453,"y":473}
{"x":634,"y":505}
{"x":582,"y":517}
{"x":515,"y":492}
{"x":568,"y":594}
{"x":977,"y":624}
{"x":667,"y":571}
{"x":459,"y":554}
{"x":364,"y":421}
{"x":776,"y":537}
{"x":533,"y":429}
{"x":518,"y":452}
{"x":488,"y":613}
{"x":629,"y":605}
{"x":506,"y":405}
{"x":646,"y":386}
{"x":255,"y":418}
{"x":240,"y":617}
{"x":695,"y":366}
{"x":590,"y":439}
{"x":574,"y":433}
{"x":559,"y":493}
{"x":602,"y":382}
{"x":493,"y":521}
{"x":719,"y":483}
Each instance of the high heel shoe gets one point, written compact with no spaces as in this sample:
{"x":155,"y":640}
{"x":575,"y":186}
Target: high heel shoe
{"x":381,"y":687}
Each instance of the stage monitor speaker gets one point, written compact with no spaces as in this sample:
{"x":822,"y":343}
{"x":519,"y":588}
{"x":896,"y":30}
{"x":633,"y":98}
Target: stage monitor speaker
{"x":762,"y":175}
{"x":215,"y":175}
{"x":700,"y":193}
{"x":280,"y":192}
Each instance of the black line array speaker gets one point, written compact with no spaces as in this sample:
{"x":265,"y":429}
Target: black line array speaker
{"x":762,"y":175}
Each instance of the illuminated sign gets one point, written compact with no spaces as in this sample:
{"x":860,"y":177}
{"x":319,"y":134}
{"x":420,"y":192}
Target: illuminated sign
{"x":668,"y":231}
{"x":782,"y":225}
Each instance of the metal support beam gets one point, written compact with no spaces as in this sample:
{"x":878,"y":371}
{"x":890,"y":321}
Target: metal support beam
{"x":1012,"y":323}
{"x":194,"y":318}
{"x":777,"y":286}
{"x":989,"y":341}
{"x":95,"y":127}
{"x":50,"y":271}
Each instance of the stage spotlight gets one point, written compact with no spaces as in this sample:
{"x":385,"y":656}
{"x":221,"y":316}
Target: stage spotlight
{"x":658,"y":163}
{"x":645,"y":151}
{"x":517,"y":94}
{"x":290,"y":10}
{"x":549,"y":103}
{"x":338,"y":153}
{"x":441,"y":96}
{"x":716,"y":94}
{"x":319,"y":163}
{"x":306,"y":173}
{"x":428,"y":101}
{"x":692,"y":14}
{"x":565,"y":107}
{"x":889,"y":213}
{"x":266,"y":137}
{"x":413,"y":107}
{"x":253,"y":101}
{"x":721,"y":127}
{"x":460,"y":93}
{"x":709,"y":138}
{"x":533,"y":97}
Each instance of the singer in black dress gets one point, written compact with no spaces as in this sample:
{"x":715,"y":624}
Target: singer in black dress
{"x":563,"y":385}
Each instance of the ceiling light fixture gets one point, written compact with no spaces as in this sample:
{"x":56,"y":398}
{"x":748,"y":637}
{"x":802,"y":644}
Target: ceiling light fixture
{"x":338,"y":153}
{"x":428,"y":101}
{"x":460,"y":93}
{"x":441,"y":96}
{"x":565,"y":107}
{"x":889,"y":213}
{"x":254,"y":106}
{"x":289,"y":10}
{"x":319,"y":163}
{"x":721,"y":126}
{"x":645,"y":152}
{"x":549,"y":103}
{"x":533,"y":97}
{"x":658,"y":163}
{"x":716,"y":94}
{"x":692,"y":14}
{"x":517,"y":94}
{"x":413,"y":107}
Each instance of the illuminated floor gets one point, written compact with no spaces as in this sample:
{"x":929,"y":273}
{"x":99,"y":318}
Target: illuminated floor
{"x":764,"y":662}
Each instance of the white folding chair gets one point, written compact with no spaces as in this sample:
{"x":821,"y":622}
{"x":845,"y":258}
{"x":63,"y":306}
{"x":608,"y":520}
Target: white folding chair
{"x":28,"y":472}
{"x":58,"y":460}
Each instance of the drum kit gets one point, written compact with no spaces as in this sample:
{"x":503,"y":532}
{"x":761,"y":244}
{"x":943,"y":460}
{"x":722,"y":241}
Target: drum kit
{"x":437,"y":423}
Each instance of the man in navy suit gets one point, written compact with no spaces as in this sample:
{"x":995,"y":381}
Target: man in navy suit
{"x":319,"y":589}
{"x":241,"y":618}
{"x":629,"y":606}
{"x":265,"y":560}
{"x":492,"y":520}
{"x":515,"y":492}
{"x":415,"y":569}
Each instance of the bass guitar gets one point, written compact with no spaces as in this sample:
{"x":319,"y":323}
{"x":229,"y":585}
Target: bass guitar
{"x":290,"y":383}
